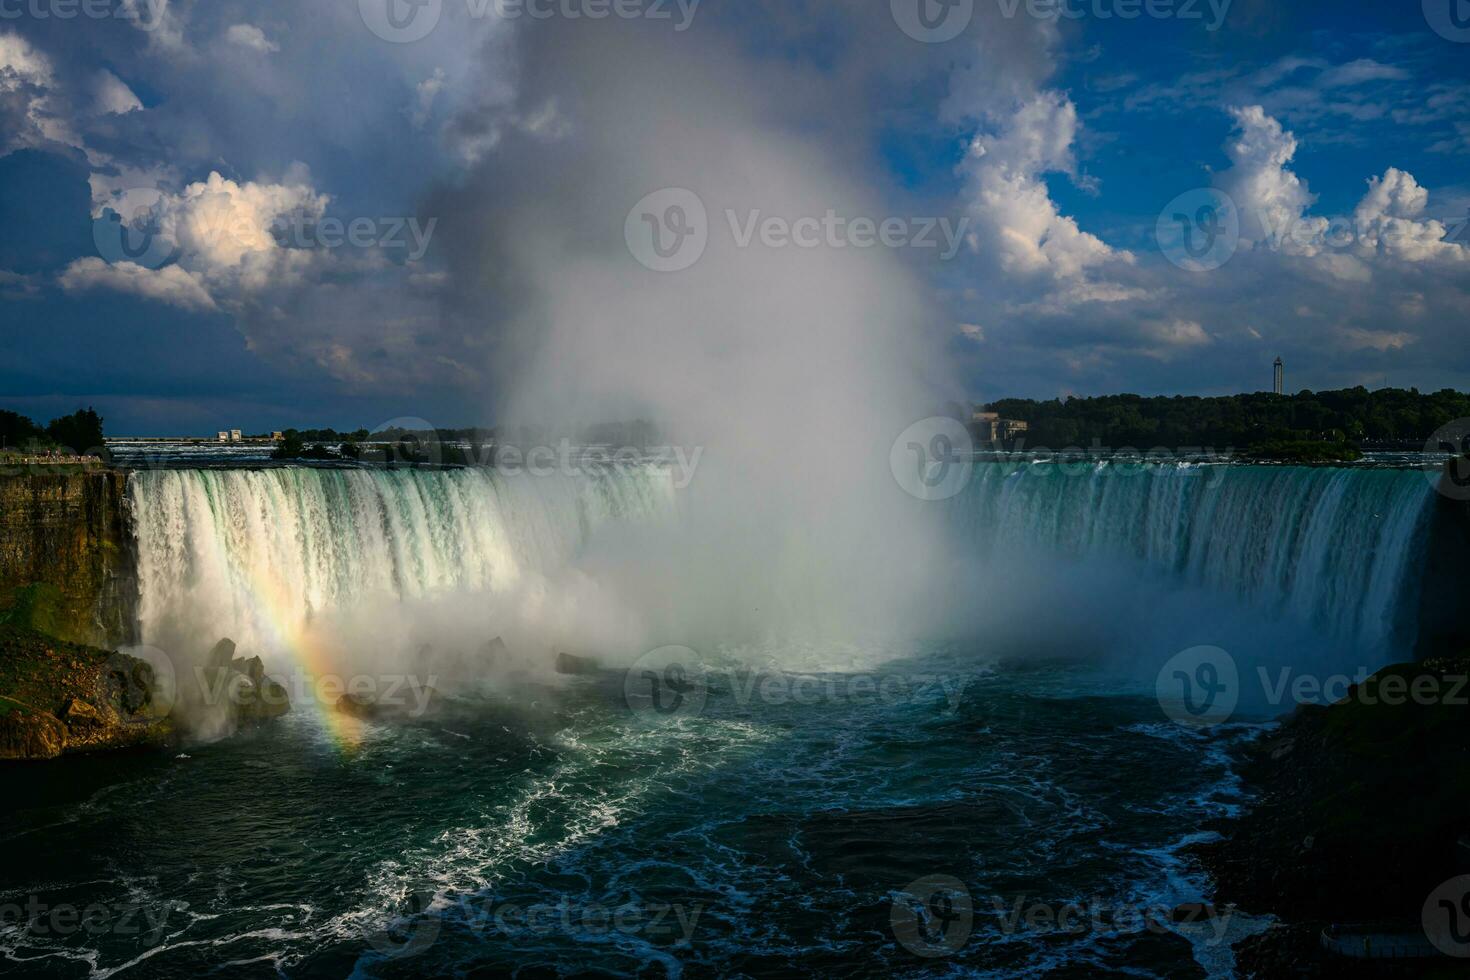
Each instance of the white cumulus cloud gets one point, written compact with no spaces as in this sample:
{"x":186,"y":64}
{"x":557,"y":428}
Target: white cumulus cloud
{"x":252,"y":38}
{"x":225,"y":236}
{"x":172,"y":284}
{"x":1008,"y":200}
{"x":1275,"y":207}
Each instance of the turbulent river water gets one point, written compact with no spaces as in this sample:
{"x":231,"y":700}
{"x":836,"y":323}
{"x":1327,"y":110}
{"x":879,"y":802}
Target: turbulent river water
{"x":795,"y":818}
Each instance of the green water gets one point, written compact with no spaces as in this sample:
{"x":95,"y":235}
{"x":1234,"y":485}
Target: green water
{"x":557,"y":831}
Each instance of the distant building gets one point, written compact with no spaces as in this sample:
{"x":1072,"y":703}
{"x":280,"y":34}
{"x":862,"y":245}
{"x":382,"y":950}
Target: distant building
{"x":990,"y":427}
{"x":1278,"y":377}
{"x":235,"y":435}
{"x":278,"y":437}
{"x":224,"y":437}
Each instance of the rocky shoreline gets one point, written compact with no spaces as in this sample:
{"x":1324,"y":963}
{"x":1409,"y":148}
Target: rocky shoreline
{"x":58,"y":697}
{"x":1359,"y":813}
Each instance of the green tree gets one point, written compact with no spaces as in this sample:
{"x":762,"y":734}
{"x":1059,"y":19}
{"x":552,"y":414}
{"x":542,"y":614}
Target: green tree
{"x":290,"y":446}
{"x":18,"y":432}
{"x":80,"y":432}
{"x":1236,"y":421}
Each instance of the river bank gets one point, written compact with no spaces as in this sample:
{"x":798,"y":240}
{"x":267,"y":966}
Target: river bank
{"x":1359,"y":810}
{"x":58,"y":697}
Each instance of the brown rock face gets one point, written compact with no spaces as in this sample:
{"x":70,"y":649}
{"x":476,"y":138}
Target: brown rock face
{"x":67,"y":532}
{"x":235,"y":689}
{"x":30,"y":735}
{"x":253,"y":668}
{"x":357,"y":706}
{"x":79,"y":714}
{"x":58,"y":697}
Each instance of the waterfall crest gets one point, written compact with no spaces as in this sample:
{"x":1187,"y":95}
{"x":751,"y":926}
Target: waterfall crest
{"x":259,"y":555}
{"x":1335,"y":547}
{"x":255,"y":554}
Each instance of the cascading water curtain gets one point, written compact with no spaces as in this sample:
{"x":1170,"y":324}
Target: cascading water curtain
{"x":250,"y":553}
{"x":1341,"y":548}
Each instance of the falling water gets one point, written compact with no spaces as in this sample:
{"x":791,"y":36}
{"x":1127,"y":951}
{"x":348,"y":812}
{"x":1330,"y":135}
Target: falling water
{"x":1335,"y":547}
{"x":254,"y":553}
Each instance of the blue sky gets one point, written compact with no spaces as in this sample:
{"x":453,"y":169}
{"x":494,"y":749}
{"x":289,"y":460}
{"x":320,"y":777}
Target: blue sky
{"x":235,"y":134}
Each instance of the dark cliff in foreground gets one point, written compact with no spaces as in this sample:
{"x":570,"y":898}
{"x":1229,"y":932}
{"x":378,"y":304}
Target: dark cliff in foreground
{"x":1361,"y":811}
{"x":58,"y":697}
{"x":1444,"y":597}
{"x":66,"y":557}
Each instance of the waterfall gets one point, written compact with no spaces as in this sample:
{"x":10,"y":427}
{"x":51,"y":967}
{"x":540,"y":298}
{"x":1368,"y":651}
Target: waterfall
{"x":257,"y":554}
{"x":1335,"y":547}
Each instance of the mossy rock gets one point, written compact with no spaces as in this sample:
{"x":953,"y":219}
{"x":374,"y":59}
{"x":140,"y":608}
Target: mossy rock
{"x":39,"y":607}
{"x":60,"y":697}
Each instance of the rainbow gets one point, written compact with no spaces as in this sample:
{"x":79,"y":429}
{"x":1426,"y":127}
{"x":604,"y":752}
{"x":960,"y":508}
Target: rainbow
{"x":310,"y":655}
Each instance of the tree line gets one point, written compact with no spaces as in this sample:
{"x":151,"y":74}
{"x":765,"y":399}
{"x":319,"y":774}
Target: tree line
{"x":1349,"y":415}
{"x":79,"y":433}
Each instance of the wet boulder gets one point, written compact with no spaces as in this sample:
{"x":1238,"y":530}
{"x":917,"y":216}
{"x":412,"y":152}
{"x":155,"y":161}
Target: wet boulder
{"x":252,"y":696}
{"x":222,"y":656}
{"x":77,"y":713}
{"x":259,"y":698}
{"x":60,"y":697}
{"x":253,"y":668}
{"x":405,"y":703}
{"x":567,"y":663}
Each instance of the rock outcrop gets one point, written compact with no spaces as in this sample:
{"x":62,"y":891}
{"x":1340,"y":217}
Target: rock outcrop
{"x":68,"y":592}
{"x":58,"y":697}
{"x":1358,"y":809}
{"x":250,"y":697}
{"x":406,"y":703}
{"x":495,"y":653}
{"x":66,"y":558}
{"x":567,"y":663}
